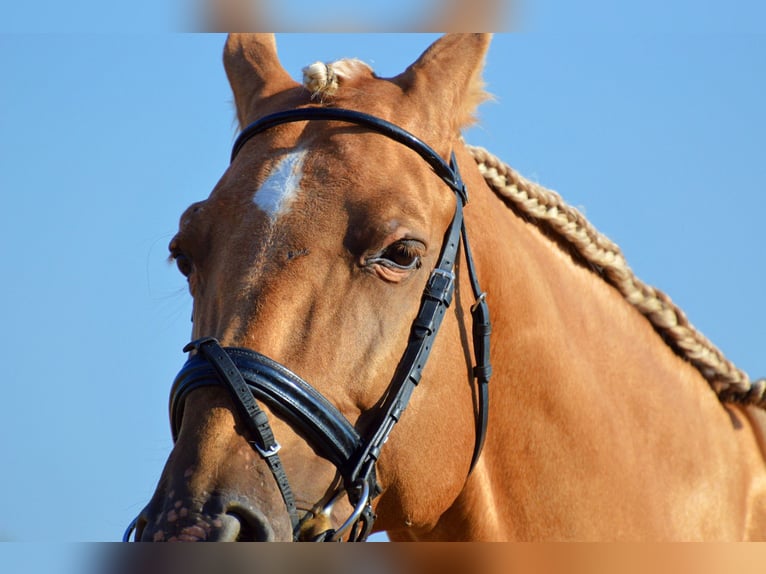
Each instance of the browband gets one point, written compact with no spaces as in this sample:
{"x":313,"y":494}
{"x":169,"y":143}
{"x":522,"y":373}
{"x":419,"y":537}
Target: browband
{"x":441,"y":168}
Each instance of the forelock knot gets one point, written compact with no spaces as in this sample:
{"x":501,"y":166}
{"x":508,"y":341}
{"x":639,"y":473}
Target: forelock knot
{"x":324,"y":79}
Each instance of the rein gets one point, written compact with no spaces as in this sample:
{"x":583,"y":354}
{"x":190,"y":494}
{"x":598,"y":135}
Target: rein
{"x":248,"y":375}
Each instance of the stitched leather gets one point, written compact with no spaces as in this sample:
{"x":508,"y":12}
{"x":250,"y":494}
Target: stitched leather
{"x":285,"y":393}
{"x":257,"y":421}
{"x":353,"y":117}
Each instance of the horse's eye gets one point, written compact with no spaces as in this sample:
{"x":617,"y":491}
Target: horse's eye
{"x":404,"y":254}
{"x":183,"y":263}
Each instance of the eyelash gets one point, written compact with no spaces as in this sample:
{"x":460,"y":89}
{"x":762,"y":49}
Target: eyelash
{"x":402,"y":255}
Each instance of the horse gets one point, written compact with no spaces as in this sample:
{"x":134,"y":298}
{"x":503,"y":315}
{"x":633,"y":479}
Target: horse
{"x":343,"y":271}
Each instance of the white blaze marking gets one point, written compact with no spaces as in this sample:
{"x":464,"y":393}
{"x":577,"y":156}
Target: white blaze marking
{"x":281,"y":186}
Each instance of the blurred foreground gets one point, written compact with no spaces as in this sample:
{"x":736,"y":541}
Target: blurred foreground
{"x":432,"y":558}
{"x":345,"y":16}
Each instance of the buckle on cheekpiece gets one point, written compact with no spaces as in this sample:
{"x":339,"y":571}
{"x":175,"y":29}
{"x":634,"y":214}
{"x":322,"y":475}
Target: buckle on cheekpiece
{"x":441,"y":286}
{"x":265,"y":453}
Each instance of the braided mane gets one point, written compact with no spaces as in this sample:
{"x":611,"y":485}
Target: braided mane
{"x":547,"y":209}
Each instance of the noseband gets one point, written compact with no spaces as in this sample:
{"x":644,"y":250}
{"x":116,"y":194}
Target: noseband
{"x":248,"y":375}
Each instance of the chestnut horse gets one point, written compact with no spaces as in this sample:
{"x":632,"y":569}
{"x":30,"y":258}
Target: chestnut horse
{"x":325,"y":255}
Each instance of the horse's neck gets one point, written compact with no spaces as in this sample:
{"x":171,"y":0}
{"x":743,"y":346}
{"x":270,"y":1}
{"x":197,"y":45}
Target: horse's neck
{"x":556,"y":321}
{"x":584,"y":395}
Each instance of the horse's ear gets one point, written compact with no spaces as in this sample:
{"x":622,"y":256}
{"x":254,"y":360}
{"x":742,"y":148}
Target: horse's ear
{"x":448,"y":77}
{"x":254,"y":71}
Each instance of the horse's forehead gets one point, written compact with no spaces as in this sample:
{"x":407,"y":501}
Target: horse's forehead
{"x":341,"y":168}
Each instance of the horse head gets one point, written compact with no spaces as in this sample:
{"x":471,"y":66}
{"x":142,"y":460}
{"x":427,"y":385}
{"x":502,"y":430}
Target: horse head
{"x":308,"y":264}
{"x":334,"y":287}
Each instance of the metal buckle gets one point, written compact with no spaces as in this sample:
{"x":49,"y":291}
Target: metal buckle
{"x":479,"y":300}
{"x":272,"y":450}
{"x":440,"y":285}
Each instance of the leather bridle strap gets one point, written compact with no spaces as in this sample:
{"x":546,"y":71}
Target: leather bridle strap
{"x":481,"y":329}
{"x":376,"y":124}
{"x":249,"y":375}
{"x":481,"y":326}
{"x":436,"y":298}
{"x":287,"y":396}
{"x":255,"y":419}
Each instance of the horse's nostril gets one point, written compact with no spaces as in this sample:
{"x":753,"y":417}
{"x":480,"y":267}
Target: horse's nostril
{"x":243,"y":525}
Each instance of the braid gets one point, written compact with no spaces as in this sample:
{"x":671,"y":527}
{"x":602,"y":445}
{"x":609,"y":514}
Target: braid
{"x":544,"y":206}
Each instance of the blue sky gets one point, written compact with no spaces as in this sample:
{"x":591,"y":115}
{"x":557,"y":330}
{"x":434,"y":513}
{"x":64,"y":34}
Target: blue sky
{"x":106,"y":138}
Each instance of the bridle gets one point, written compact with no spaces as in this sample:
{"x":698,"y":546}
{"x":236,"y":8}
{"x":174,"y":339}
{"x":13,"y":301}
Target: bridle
{"x":248,"y":375}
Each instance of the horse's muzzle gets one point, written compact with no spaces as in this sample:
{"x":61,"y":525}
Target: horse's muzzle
{"x":221,"y":519}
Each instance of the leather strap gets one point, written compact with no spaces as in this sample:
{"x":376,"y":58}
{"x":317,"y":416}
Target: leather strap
{"x":437,"y":296}
{"x":256,"y":420}
{"x":408,"y":374}
{"x":359,"y":118}
{"x":481,"y":329}
{"x":285,"y":393}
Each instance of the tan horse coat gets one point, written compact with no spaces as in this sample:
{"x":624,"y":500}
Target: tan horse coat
{"x":597,"y":429}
